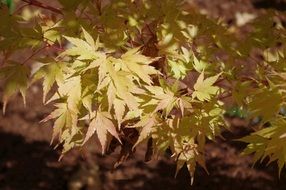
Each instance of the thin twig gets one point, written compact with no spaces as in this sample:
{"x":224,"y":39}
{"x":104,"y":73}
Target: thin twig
{"x":98,"y":6}
{"x":43,"y":6}
{"x":35,"y":53}
{"x":20,"y":8}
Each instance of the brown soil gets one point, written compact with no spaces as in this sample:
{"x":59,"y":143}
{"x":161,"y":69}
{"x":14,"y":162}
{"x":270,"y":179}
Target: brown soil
{"x":28,"y":162}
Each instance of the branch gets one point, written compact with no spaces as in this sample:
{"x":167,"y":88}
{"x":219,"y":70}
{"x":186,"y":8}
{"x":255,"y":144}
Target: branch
{"x":33,"y":54}
{"x":98,"y":6}
{"x":43,"y":6}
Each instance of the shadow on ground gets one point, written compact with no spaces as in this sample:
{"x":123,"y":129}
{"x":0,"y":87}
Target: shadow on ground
{"x":270,"y":4}
{"x":35,"y":166}
{"x":30,"y":166}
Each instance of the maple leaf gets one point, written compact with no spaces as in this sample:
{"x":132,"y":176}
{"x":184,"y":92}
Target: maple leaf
{"x":84,"y":50}
{"x":50,"y":31}
{"x":81,"y":49}
{"x":65,"y":119}
{"x":103,"y":126}
{"x":16,"y":79}
{"x":147,"y":123}
{"x":122,"y":82}
{"x":166,"y":101}
{"x":89,"y":39}
{"x":183,"y":146}
{"x":70,"y":88}
{"x":184,"y":103}
{"x":119,"y":109}
{"x":178,"y":68}
{"x":199,"y":66}
{"x":268,"y":142}
{"x":187,"y":157}
{"x":50,"y":72}
{"x":265,"y":103}
{"x":139,"y":64}
{"x":204,"y":88}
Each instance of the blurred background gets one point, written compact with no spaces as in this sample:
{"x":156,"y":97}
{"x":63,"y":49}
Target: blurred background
{"x":28,"y":162}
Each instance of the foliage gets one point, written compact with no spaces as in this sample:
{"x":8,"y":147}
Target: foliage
{"x":152,"y":67}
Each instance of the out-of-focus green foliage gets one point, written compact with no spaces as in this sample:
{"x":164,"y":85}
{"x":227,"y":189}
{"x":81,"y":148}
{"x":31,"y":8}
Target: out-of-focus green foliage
{"x":10,"y":4}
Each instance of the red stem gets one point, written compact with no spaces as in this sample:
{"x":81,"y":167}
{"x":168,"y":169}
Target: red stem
{"x":98,"y":6}
{"x":43,"y":6}
{"x":20,"y":8}
{"x":35,"y":53}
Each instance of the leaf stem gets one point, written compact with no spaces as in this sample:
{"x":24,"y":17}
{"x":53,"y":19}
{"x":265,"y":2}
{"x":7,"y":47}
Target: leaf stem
{"x":43,"y":6}
{"x":33,"y":54}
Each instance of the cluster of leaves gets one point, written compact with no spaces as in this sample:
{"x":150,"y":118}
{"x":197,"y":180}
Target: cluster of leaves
{"x":140,"y":71}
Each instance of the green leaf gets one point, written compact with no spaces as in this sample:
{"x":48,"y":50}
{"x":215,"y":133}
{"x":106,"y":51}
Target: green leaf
{"x":178,"y":69}
{"x":204,"y":88}
{"x":82,"y":49}
{"x":147,"y":123}
{"x":119,"y":109}
{"x":72,"y":89}
{"x":50,"y":72}
{"x":65,"y":125}
{"x":199,"y":66}
{"x":139,"y":64}
{"x":16,"y":79}
{"x":10,"y":4}
{"x":89,"y":39}
{"x":268,"y":142}
{"x":265,"y":103}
